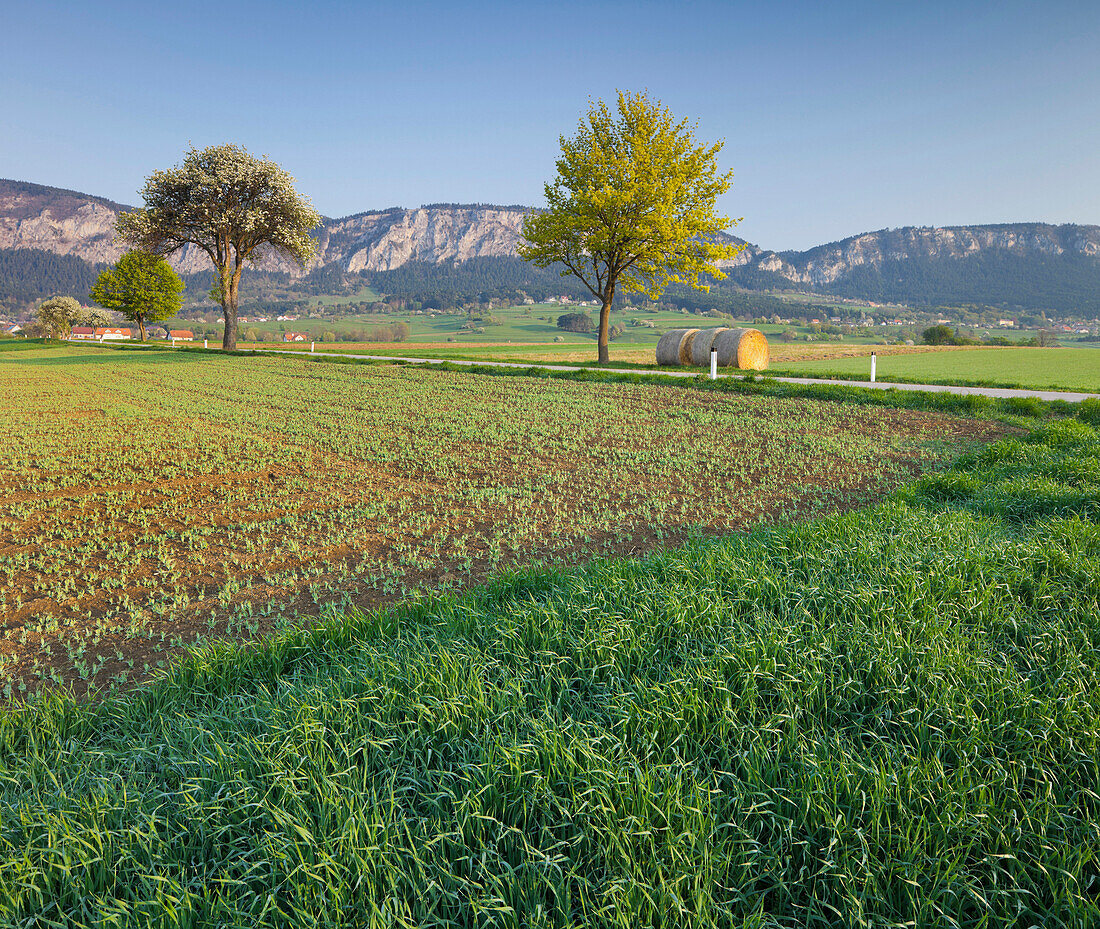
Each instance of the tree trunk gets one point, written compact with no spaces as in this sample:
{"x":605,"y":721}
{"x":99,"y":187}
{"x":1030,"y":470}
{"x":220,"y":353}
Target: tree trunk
{"x":141,"y":327}
{"x":605,"y":327}
{"x":228,"y":288}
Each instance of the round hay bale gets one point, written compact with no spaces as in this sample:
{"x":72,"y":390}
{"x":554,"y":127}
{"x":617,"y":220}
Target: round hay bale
{"x":700,"y":348}
{"x":742,"y":348}
{"x":685,"y":346}
{"x":668,"y":348}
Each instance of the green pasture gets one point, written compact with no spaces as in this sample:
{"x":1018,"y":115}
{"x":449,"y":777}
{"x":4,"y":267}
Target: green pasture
{"x":1056,"y":368}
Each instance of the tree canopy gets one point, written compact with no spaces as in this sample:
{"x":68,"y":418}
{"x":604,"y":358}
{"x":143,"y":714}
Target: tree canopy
{"x":142,"y":286}
{"x":232,"y":205}
{"x":632,"y":207}
{"x":58,"y":315}
{"x":575,"y":322}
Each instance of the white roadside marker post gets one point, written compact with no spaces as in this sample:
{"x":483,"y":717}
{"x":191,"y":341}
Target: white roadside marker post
{"x":714,"y":364}
{"x":873,"y":360}
{"x":206,"y":343}
{"x":311,"y":347}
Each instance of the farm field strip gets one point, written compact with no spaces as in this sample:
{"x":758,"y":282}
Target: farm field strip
{"x":1035,"y":368}
{"x":148,"y":501}
{"x":574,"y":352}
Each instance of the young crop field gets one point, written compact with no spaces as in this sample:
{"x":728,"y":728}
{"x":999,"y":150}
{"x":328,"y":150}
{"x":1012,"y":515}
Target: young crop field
{"x":883,"y":718}
{"x":1055,"y":368}
{"x":152,"y":499}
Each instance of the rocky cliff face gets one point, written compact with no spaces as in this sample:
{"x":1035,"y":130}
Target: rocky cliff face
{"x":59,"y":221}
{"x":825,"y":264}
{"x":69,"y":223}
{"x":384,"y":241}
{"x":66,"y":222}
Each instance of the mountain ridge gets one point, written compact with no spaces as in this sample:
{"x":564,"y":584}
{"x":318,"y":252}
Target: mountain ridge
{"x":1055,"y":263}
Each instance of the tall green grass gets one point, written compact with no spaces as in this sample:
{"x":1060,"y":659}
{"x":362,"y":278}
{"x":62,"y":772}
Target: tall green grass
{"x":885,"y":718}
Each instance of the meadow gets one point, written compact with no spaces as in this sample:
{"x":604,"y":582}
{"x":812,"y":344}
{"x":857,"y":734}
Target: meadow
{"x":582,"y":351}
{"x":529,"y":334}
{"x":523,"y":324}
{"x":1065,"y":368}
{"x":886,"y":717}
{"x":153,"y":499}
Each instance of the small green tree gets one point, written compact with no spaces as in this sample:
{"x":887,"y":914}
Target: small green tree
{"x":575,"y":322}
{"x":231,"y":205}
{"x":142,"y":287}
{"x":632,"y":208}
{"x":57,"y":316}
{"x":940,"y":335}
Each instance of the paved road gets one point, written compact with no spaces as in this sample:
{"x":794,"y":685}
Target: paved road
{"x":1071,"y":396}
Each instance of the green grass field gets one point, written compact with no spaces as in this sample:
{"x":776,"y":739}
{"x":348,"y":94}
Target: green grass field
{"x":885,"y":718}
{"x":1058,"y":368}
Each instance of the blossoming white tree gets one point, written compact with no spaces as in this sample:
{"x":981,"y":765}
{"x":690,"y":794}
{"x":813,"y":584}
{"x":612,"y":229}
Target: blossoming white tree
{"x":233,"y":206}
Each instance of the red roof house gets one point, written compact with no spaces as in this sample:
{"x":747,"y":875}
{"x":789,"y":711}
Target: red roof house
{"x":181,"y":335}
{"x":82,"y":332}
{"x":112,"y":333}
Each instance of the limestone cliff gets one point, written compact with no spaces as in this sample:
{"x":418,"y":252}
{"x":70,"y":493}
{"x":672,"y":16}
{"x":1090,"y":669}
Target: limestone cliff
{"x":60,"y":221}
{"x":826,"y":264}
{"x":70,"y":223}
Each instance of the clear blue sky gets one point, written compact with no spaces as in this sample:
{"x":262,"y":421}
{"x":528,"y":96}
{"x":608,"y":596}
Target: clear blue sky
{"x":838,"y":117}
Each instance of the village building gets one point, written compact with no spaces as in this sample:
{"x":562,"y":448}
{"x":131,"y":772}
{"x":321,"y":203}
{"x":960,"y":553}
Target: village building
{"x":295,"y":337}
{"x":104,"y":334}
{"x":82,"y":332}
{"x":181,"y":335}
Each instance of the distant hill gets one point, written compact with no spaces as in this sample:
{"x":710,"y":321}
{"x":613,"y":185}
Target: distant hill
{"x":1030,"y":265}
{"x":52,"y":240}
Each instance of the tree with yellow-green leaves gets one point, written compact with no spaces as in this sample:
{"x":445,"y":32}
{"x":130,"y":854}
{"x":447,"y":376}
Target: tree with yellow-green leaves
{"x":143,"y":287}
{"x":632,"y":208}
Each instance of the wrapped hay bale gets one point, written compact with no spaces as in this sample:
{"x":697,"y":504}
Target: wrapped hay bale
{"x":668,"y":348}
{"x":700,"y":348}
{"x":742,"y":348}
